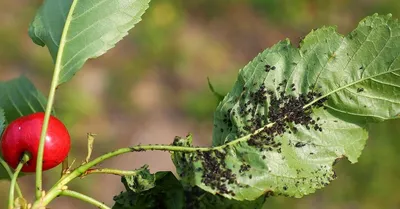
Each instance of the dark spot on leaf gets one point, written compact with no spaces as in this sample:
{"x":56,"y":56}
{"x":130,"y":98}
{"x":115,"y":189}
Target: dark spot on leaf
{"x":300,"y":144}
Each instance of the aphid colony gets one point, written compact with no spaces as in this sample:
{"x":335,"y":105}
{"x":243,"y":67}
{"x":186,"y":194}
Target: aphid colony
{"x":215,"y":173}
{"x":266,"y":113}
{"x":284,"y":113}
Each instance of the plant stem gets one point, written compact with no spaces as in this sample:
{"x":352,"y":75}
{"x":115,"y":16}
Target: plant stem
{"x":83,"y":168}
{"x":65,"y":166}
{"x":10,"y":174}
{"x":50,"y":102}
{"x":109,"y":171}
{"x":84,"y":198}
{"x":25,"y":158}
{"x":57,"y":188}
{"x":39,"y":161}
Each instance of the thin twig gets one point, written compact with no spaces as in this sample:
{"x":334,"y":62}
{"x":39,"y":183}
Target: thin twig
{"x":110,"y":171}
{"x":84,"y":198}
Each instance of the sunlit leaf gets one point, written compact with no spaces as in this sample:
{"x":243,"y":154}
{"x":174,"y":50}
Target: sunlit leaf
{"x":77,"y":30}
{"x":293,"y":112}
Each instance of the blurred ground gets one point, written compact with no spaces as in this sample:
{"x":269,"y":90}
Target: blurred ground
{"x":152,"y":86}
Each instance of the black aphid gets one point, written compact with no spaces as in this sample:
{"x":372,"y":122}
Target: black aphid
{"x":244,"y":167}
{"x":300,"y":144}
{"x":215,"y":173}
{"x":282,"y":110}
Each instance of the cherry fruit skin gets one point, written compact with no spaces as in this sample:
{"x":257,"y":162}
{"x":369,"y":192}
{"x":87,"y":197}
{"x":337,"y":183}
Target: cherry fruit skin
{"x":23,"y":135}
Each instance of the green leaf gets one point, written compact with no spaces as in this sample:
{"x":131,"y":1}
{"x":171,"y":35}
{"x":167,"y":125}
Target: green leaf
{"x":77,"y":30}
{"x":19,"y":97}
{"x":293,"y":112}
{"x":143,"y":180}
{"x":3,"y":171}
{"x":199,"y":199}
{"x":162,"y":190}
{"x":182,"y":161}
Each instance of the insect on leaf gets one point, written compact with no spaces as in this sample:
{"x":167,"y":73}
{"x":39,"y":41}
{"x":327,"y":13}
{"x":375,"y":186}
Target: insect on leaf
{"x":294,"y":111}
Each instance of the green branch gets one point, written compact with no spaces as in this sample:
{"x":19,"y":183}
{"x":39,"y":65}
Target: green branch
{"x":58,"y":187}
{"x":81,"y":170}
{"x":10,"y":174}
{"x":85,"y":198}
{"x":25,"y":158}
{"x":109,"y":171}
{"x":50,"y":102}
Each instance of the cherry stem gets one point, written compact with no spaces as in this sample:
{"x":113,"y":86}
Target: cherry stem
{"x":84,"y":198}
{"x":10,"y":174}
{"x":25,"y":158}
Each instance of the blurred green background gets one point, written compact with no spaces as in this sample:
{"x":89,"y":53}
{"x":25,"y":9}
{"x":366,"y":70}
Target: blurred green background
{"x":153,"y":86}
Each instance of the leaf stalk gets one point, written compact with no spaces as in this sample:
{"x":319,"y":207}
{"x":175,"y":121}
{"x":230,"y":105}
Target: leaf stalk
{"x":50,"y":102}
{"x":109,"y":171}
{"x":84,"y":198}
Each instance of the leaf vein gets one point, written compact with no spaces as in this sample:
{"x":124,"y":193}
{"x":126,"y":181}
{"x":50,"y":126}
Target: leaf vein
{"x":352,"y":113}
{"x":372,"y":97}
{"x":88,"y":10}
{"x":385,"y":83}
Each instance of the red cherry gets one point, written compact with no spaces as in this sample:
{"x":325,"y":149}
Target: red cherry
{"x":23,"y":135}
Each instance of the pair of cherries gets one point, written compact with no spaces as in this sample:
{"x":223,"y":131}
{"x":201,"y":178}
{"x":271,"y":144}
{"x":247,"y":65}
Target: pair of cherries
{"x":23,"y":135}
